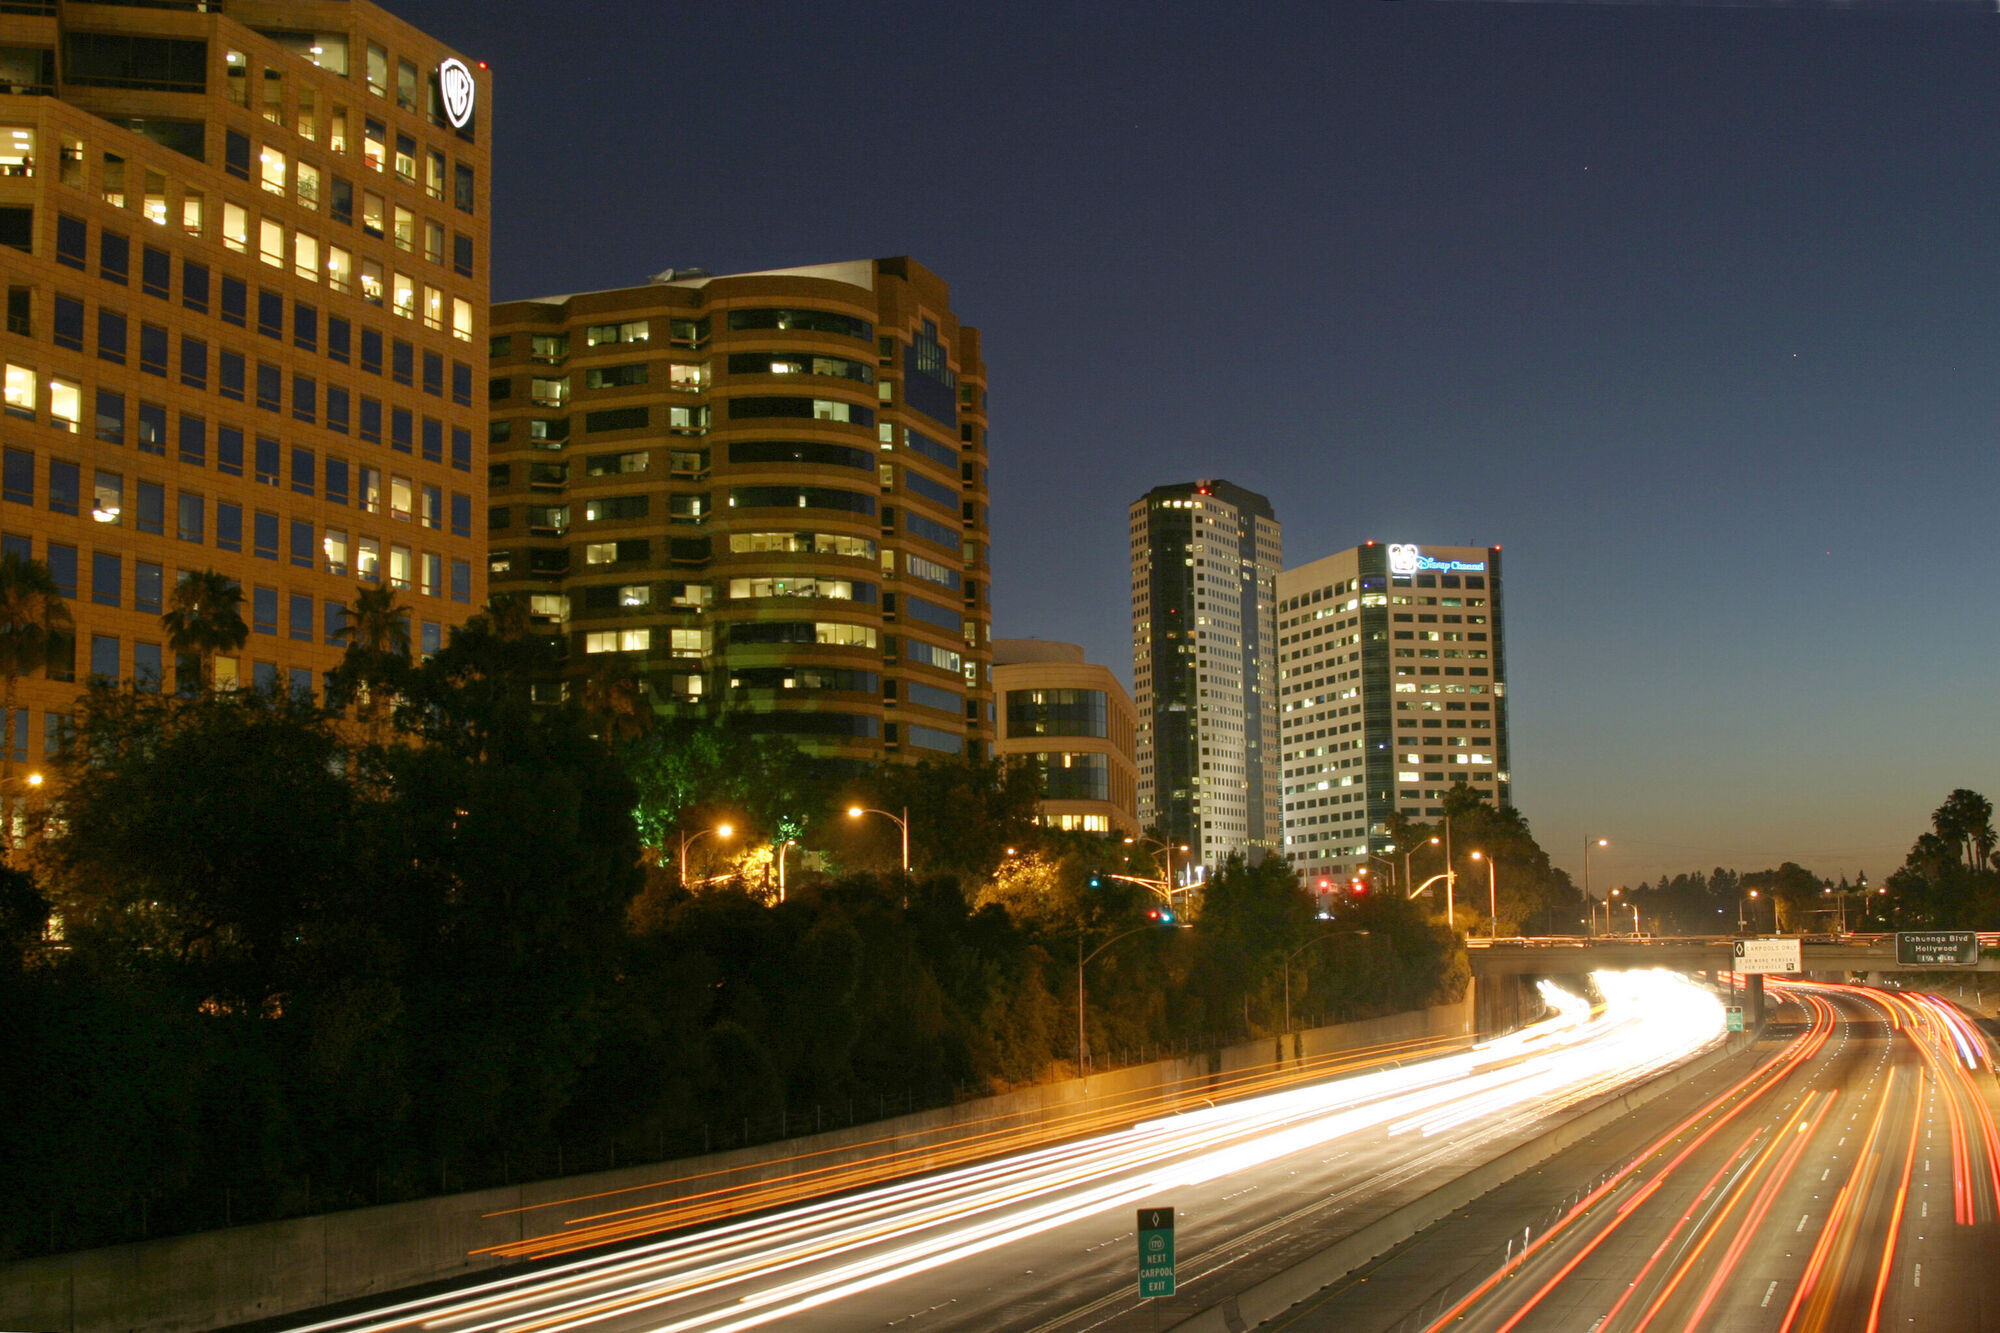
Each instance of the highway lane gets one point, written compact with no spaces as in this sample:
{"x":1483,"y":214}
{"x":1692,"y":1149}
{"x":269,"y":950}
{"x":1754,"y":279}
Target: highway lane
{"x":1843,"y":1178}
{"x":1042,"y":1239}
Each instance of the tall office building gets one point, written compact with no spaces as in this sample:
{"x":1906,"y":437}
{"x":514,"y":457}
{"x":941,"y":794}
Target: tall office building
{"x":246,"y":298}
{"x":1205,"y":560}
{"x":765,"y":491}
{"x":1393,"y":689}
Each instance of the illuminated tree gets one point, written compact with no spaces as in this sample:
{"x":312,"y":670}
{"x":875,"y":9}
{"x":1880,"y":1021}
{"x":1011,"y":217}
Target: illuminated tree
{"x":204,"y":618}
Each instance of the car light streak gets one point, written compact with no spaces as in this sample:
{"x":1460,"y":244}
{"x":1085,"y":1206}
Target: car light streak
{"x":774,"y":1267}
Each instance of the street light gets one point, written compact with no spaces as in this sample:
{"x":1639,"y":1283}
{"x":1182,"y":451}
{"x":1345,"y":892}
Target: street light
{"x":1330,"y":935}
{"x":1169,"y":848}
{"x":1589,"y":903}
{"x":856,"y":811}
{"x":784,"y":847}
{"x":1081,"y":959}
{"x":1433,"y":841}
{"x":1620,"y":893}
{"x":720,"y":831}
{"x":1492,"y":898}
{"x":1740,"y":902}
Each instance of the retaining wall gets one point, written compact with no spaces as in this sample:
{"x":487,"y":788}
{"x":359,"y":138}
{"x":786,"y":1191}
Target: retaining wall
{"x":183,"y":1284}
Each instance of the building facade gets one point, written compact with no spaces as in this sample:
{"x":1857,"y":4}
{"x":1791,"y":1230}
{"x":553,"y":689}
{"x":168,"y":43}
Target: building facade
{"x":765,"y":492}
{"x":1393,"y":688}
{"x":1074,"y":722}
{"x":1205,"y":561}
{"x":246,"y":258}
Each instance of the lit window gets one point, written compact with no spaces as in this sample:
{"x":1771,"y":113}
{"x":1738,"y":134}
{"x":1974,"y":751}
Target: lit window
{"x":274,"y":165}
{"x":20,"y":393}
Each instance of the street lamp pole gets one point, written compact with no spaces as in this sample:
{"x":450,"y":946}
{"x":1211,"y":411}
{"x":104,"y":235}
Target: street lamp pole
{"x":1406,"y":860}
{"x":1081,"y":959}
{"x":1589,"y":904}
{"x":1492,"y":898}
{"x":1741,"y":927}
{"x":784,"y":847}
{"x":720,"y":831}
{"x":1166,"y":846}
{"x":856,"y":811}
{"x":1330,"y":935}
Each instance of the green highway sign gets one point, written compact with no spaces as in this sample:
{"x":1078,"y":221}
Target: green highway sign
{"x":1734,"y":1014}
{"x":1156,"y":1252}
{"x":1937,"y":948}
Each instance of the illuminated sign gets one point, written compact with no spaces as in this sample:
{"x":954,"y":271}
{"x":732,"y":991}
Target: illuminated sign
{"x":456,"y":86}
{"x":1405,"y":558}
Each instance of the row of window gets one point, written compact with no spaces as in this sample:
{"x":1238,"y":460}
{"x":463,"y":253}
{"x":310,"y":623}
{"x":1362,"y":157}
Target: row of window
{"x":148,"y":426}
{"x":407,"y":296}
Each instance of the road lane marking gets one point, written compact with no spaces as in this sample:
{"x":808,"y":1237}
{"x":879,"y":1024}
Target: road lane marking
{"x":1918,"y":1280}
{"x":1802,"y":1224}
{"x":1767,"y":1295}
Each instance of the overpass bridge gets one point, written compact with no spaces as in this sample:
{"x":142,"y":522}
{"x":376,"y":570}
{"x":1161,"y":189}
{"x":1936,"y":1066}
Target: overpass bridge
{"x":1827,"y":957}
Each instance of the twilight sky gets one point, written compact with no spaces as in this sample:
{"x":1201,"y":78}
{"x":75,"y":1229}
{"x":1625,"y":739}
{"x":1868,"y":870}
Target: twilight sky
{"x":1692,"y":309}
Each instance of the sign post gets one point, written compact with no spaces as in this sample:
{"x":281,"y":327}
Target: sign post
{"x":1156,"y":1252}
{"x":1937,"y":948}
{"x":1765,"y":954}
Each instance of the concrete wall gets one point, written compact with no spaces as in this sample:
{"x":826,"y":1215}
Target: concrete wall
{"x":216,"y":1278}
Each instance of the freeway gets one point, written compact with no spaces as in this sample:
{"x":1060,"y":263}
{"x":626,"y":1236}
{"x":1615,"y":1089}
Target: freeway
{"x":1043,"y":1239}
{"x":1843,"y":1175}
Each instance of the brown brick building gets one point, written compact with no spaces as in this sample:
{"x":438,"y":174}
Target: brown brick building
{"x":766,"y":491}
{"x":245,"y":258}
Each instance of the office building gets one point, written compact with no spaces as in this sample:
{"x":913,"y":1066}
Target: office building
{"x":246,"y":291}
{"x":765,"y":492}
{"x":1393,"y":689}
{"x":1074,"y":722}
{"x":1205,"y":560}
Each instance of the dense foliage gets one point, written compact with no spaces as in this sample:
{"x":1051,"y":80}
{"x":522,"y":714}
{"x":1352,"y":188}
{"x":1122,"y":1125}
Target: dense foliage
{"x":267,"y":957}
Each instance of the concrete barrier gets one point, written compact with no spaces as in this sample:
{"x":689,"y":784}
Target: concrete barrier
{"x":183,"y":1284}
{"x":1280,"y":1292}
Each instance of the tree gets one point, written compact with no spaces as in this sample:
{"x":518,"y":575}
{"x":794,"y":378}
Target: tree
{"x":377,"y":634}
{"x":1965,"y":821}
{"x":205,"y":618}
{"x":34,"y":625}
{"x":964,"y":812}
{"x":614,"y":698}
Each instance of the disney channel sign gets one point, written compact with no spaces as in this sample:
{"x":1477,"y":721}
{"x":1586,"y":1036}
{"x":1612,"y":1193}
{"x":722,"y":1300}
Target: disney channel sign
{"x":456,"y":87}
{"x":1405,"y":558}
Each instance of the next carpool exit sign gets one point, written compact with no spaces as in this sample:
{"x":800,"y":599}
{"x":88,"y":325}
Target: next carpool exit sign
{"x":1156,"y":1252}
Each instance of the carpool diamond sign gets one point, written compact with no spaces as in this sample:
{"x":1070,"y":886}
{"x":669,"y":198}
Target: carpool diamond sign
{"x":1156,"y":1252}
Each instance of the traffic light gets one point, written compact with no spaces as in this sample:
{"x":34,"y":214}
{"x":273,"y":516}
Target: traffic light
{"x":1160,"y":916}
{"x":1096,"y":880}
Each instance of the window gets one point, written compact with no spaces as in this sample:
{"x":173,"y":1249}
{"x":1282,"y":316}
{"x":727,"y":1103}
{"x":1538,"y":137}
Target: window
{"x":615,"y":377}
{"x":406,"y":158}
{"x":433,"y":374}
{"x":270,"y":313}
{"x":23,"y":387}
{"x":110,"y":417}
{"x":229,"y":450}
{"x":110,"y":336}
{"x":152,"y":429}
{"x":433,"y":440}
{"x":401,"y":422}
{"x":374,"y":148}
{"x":336,"y":481}
{"x":334,"y":545}
{"x":235,"y":227}
{"x":402,"y":362}
{"x":462,"y":187}
{"x":194,"y":362}
{"x":368,"y":559}
{"x":235,"y":301}
{"x":107,"y":498}
{"x":68,"y":323}
{"x":155,"y":272}
{"x":270,"y":387}
{"x":194,"y":440}
{"x":302,"y":470}
{"x":461,"y":514}
{"x":194,"y":286}
{"x":152,"y":349}
{"x":148,"y":586}
{"x":305,"y":398}
{"x":104,"y":656}
{"x":72,"y":241}
{"x":461,"y":254}
{"x":371,"y":420}
{"x":371,"y":350}
{"x":299,"y":618}
{"x":433,"y":575}
{"x":230,"y":372}
{"x":264,"y":611}
{"x":228,"y":526}
{"x":64,"y":483}
{"x":371,"y":490}
{"x":272,"y":170}
{"x":62,"y":567}
{"x":461,"y":383}
{"x":114,"y":256}
{"x":400,"y":573}
{"x":267,"y":461}
{"x":107,"y":578}
{"x":338,"y":339}
{"x":192,"y":515}
{"x":432,"y":512}
{"x":264,"y":536}
{"x":65,"y":404}
{"x":434,"y":174}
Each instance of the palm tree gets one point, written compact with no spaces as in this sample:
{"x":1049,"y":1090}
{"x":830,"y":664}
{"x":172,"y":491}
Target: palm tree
{"x":34,"y":622}
{"x":614,"y":696}
{"x":206,"y":619}
{"x":1966,"y":821}
{"x":377,"y":635}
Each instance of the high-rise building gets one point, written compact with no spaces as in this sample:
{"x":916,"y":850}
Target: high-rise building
{"x":1074,"y":723}
{"x":246,"y":297}
{"x":765,"y":491}
{"x":1393,"y":689}
{"x":1205,"y":560}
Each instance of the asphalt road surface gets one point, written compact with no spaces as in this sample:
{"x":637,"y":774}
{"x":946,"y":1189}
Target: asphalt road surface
{"x":1044,"y":1239}
{"x":1841,"y":1175}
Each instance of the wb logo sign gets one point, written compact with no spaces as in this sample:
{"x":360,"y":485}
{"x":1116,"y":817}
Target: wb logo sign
{"x":456,"y":87}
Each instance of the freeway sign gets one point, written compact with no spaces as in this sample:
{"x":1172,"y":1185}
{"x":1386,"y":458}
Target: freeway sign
{"x":1766,"y":955}
{"x":1733,"y":1015}
{"x":1156,"y":1252}
{"x":1937,"y":948}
